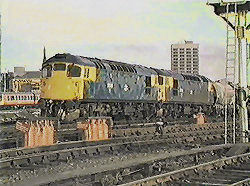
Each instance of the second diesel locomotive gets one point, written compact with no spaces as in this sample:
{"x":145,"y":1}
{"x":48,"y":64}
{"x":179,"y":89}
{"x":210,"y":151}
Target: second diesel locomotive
{"x":75,"y":86}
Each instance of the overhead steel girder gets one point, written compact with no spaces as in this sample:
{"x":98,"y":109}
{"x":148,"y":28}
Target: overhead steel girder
{"x":221,"y":9}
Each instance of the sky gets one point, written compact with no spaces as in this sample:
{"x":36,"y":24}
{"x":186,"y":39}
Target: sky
{"x":131,"y":31}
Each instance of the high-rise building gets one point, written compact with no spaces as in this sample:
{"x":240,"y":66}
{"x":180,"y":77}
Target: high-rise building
{"x":185,"y":57}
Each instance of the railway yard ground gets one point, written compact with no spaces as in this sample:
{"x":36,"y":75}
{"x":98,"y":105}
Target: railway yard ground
{"x":95,"y":121}
{"x":134,"y":166}
{"x":141,"y":154}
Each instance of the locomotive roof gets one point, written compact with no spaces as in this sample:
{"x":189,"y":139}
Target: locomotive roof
{"x":120,"y":66}
{"x":170,"y":73}
{"x":68,"y":58}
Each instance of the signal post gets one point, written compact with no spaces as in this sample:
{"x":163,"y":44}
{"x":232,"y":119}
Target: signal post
{"x":241,"y":28}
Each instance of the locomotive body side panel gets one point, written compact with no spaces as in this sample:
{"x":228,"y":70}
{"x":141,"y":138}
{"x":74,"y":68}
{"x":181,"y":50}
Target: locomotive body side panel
{"x":164,"y":85}
{"x":118,"y":85}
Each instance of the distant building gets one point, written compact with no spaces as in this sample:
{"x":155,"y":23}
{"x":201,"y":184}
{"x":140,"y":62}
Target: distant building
{"x":25,"y":81}
{"x":5,"y":81}
{"x":20,"y":80}
{"x":19,"y":71}
{"x":185,"y":57}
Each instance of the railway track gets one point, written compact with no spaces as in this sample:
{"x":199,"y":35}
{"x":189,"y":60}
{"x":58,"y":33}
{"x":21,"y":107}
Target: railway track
{"x":234,"y":170}
{"x":133,"y":169}
{"x":71,"y":133}
{"x":132,"y":140}
{"x":12,"y":138}
{"x":173,"y":134}
{"x":18,"y":158}
{"x":140,"y":138}
{"x":200,"y":164}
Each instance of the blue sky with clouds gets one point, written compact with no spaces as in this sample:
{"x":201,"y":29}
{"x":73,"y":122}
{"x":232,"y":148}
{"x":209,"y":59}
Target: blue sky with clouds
{"x":133,"y":31}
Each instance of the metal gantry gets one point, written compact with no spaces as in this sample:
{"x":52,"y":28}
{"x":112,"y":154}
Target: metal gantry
{"x":235,"y":15}
{"x":230,"y":69}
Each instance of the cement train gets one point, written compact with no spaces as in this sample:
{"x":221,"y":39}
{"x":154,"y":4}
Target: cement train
{"x":76,"y":86}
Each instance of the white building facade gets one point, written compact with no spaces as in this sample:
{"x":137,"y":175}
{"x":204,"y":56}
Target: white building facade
{"x":185,"y":57}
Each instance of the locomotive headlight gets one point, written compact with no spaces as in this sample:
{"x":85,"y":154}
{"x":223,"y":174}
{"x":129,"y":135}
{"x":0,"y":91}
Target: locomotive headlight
{"x":126,"y":88}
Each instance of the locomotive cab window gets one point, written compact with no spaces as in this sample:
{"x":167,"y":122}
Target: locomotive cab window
{"x":46,"y":72}
{"x":148,"y":85}
{"x":175,"y":86}
{"x":86,"y":73}
{"x":73,"y":71}
{"x":59,"y":67}
{"x":148,"y":81}
{"x":160,"y":80}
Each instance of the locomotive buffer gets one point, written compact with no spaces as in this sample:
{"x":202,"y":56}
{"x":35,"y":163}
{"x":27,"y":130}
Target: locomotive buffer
{"x":238,"y":10}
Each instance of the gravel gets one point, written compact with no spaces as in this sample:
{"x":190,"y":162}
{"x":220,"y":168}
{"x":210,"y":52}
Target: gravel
{"x":18,"y":174}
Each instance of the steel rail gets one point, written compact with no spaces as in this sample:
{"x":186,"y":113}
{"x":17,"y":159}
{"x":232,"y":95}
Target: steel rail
{"x":131,"y":135}
{"x":65,"y":154}
{"x":171,"y":176}
{"x":98,"y":173}
{"x":241,"y":182}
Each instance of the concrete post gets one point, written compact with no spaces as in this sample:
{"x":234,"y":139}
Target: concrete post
{"x":242,"y":76}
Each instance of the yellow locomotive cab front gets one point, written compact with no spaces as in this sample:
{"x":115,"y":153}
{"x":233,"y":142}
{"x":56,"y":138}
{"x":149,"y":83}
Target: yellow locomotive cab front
{"x":62,"y":81}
